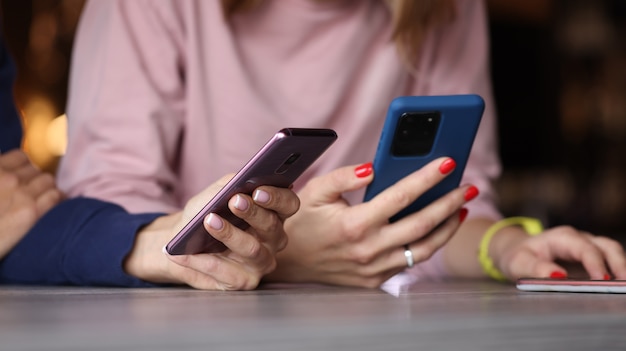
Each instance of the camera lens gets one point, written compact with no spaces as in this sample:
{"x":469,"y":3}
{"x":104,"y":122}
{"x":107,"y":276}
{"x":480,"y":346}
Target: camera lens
{"x":288,"y":162}
{"x":291,"y":159}
{"x":415,"y":133}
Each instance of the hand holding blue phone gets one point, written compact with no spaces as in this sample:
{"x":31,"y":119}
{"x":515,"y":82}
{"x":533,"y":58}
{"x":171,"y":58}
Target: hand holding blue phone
{"x":419,"y":129}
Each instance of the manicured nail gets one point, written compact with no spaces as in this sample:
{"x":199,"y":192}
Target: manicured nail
{"x":363,"y":170}
{"x":261,"y":196}
{"x":214,"y":221}
{"x":558,"y":275}
{"x":447,"y":166}
{"x":462,"y":214}
{"x":607,"y":277}
{"x":241,"y":203}
{"x":471,"y":193}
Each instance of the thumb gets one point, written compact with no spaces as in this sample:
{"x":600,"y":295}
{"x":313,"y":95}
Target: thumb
{"x":330,"y":186}
{"x":198,"y":201}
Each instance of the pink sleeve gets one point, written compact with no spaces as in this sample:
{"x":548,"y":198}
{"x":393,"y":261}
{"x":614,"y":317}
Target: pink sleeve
{"x":125,"y":105}
{"x":457,"y":62}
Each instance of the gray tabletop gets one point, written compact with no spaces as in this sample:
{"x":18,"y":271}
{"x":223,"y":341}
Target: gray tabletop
{"x":427,"y":316}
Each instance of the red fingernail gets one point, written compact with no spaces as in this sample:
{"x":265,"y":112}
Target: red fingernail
{"x":447,"y":166}
{"x":462,"y":214}
{"x":363,"y":170}
{"x":558,"y":275}
{"x":471,"y":193}
{"x":607,"y":277}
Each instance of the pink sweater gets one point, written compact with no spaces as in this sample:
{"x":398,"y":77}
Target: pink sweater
{"x":165,"y":97}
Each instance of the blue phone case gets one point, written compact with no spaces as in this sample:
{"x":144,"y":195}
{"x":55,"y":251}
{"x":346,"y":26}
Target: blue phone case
{"x":458,"y":120}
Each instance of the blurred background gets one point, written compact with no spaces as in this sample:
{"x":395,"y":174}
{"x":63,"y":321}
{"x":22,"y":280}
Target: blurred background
{"x":559,"y":74}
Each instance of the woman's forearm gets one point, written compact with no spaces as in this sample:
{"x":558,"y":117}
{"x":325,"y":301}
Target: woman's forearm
{"x":461,"y":252}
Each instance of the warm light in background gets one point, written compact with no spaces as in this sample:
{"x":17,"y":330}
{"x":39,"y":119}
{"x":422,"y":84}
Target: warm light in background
{"x":56,"y":136}
{"x":45,"y":133}
{"x":39,"y":34}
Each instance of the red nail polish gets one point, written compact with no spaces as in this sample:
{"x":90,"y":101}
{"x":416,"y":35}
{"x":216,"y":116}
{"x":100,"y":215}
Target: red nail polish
{"x":363,"y":170}
{"x":447,"y":166}
{"x":471,"y":193}
{"x":462,"y":214}
{"x":607,"y":277}
{"x":558,"y":275}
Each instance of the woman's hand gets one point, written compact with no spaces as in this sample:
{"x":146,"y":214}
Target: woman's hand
{"x":26,"y":193}
{"x":251,"y":254}
{"x":333,"y":242}
{"x":539,"y":256}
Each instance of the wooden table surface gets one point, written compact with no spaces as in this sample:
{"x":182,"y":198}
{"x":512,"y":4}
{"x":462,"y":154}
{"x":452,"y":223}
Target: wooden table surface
{"x":455,"y":315}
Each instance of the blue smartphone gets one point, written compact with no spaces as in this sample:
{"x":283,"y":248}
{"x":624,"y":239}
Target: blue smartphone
{"x":419,"y":129}
{"x":278,"y":163}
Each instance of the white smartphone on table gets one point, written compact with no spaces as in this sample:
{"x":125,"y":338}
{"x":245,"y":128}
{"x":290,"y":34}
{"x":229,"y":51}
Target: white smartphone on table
{"x":572,"y":285}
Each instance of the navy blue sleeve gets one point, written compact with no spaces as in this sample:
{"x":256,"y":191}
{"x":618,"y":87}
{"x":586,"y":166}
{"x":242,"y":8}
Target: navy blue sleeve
{"x":10,"y":124}
{"x":81,"y":241}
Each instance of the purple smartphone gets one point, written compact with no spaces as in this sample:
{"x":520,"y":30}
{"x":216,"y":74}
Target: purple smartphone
{"x":278,"y":163}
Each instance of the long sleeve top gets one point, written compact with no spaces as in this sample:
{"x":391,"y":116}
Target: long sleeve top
{"x":81,"y":241}
{"x":10,"y":125}
{"x":167,"y":96}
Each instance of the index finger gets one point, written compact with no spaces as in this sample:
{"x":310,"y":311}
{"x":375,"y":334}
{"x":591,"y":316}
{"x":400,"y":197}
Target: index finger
{"x":566,"y":243}
{"x":283,"y":201}
{"x":404,"y":192}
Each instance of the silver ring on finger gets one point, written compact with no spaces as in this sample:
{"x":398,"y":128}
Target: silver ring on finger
{"x":409,"y":256}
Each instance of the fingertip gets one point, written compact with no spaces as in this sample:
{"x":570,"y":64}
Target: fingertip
{"x":471,"y":193}
{"x":240,"y":202}
{"x":364,"y":170}
{"x":331,"y":186}
{"x":463,"y":214}
{"x":595,"y":266}
{"x":558,"y":275}
{"x":447,"y":166}
{"x":170,"y":257}
{"x":549,"y":269}
{"x":214,"y":222}
{"x":261,"y":196}
{"x":167,"y":254}
{"x":599,"y":276}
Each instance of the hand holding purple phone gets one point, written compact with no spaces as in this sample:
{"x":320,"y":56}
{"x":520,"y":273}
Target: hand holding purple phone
{"x":278,"y":163}
{"x":232,"y":230}
{"x":250,"y":253}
